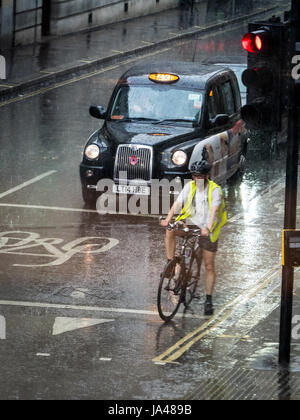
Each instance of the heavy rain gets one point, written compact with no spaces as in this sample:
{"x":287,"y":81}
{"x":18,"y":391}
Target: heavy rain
{"x":79,"y":306}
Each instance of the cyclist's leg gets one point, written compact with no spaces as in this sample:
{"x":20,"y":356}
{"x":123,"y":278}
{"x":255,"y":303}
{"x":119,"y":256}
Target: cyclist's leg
{"x":170,"y":242}
{"x":210,"y":271}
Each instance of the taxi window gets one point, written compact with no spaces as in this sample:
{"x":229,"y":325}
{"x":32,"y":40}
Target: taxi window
{"x":228,"y":98}
{"x":157,"y":102}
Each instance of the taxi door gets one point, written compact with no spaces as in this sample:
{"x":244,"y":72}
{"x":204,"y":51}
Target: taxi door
{"x":215,"y":145}
{"x":231,"y":103}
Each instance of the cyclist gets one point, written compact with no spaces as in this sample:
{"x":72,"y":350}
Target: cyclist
{"x":202,"y":204}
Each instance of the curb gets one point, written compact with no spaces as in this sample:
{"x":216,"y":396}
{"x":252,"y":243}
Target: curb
{"x":80,"y":68}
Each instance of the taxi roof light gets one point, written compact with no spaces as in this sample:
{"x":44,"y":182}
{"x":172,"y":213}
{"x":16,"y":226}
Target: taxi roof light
{"x":164,"y":77}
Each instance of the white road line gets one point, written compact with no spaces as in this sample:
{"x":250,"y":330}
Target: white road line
{"x":68,"y":209}
{"x":89,"y":308}
{"x":28,"y":206}
{"x":25,"y":184}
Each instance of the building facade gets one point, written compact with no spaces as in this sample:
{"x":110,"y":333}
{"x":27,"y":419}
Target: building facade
{"x":27,"y":21}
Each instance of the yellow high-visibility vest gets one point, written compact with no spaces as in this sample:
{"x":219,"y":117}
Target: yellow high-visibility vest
{"x":221,"y":218}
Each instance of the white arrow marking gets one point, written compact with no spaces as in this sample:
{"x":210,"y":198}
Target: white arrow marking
{"x":64,"y":324}
{"x":2,"y":328}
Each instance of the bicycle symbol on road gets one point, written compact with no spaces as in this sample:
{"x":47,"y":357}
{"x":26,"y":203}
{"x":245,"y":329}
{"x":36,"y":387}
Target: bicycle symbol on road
{"x":16,"y":242}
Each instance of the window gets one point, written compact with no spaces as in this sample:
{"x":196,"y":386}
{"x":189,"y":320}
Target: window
{"x":228,"y":98}
{"x":158,"y":103}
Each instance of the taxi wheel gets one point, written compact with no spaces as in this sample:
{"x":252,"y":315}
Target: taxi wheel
{"x":89,"y":196}
{"x":242,"y":164}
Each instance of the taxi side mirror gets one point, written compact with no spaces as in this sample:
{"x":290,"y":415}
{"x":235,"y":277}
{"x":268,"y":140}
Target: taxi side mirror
{"x":97,"y":112}
{"x":219,"y":120}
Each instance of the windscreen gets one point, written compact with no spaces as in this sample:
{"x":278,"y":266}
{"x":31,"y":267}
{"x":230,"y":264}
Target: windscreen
{"x":157,"y":103}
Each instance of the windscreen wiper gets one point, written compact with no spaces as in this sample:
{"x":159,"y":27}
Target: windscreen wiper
{"x":174,"y":120}
{"x":140,"y":119}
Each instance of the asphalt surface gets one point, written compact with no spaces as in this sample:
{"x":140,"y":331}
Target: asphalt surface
{"x":78,"y":316}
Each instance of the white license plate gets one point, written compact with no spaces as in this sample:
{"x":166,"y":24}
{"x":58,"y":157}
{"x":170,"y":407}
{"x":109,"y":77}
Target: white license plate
{"x":131,"y":189}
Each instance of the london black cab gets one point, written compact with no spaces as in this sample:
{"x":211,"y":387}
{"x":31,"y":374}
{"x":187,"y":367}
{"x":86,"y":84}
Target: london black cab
{"x":160,"y":119}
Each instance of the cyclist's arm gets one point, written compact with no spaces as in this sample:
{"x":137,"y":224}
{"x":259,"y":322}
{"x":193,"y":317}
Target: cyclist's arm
{"x":174,"y":210}
{"x":212,"y":216}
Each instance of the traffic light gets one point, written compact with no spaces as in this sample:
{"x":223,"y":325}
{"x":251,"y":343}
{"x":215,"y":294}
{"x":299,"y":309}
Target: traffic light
{"x":266,"y":60}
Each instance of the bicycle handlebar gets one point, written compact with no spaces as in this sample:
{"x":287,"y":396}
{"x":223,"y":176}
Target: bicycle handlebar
{"x":179,"y":224}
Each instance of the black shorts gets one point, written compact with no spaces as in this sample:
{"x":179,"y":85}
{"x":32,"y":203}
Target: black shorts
{"x":206,"y":244}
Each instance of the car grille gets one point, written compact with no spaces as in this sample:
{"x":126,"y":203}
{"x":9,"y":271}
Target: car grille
{"x":135,"y":160}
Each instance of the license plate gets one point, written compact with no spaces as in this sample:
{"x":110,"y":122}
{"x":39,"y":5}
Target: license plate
{"x":131,"y":189}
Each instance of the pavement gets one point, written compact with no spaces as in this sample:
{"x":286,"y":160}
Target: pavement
{"x":255,"y":373}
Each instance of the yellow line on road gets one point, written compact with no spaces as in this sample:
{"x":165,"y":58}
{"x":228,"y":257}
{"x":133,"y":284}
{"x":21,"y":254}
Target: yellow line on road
{"x":205,"y":327}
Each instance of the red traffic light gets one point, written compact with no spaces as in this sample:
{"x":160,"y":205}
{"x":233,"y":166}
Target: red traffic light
{"x":257,"y":42}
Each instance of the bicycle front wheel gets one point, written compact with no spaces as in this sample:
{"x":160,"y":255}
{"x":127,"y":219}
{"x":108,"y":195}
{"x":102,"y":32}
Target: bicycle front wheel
{"x":169,"y":296}
{"x":192,"y":278}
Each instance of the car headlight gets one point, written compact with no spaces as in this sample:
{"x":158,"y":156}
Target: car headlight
{"x":92,"y":152}
{"x":179,"y":158}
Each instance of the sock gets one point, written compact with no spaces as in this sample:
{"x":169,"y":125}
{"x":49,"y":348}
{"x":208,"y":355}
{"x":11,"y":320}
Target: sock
{"x":209,"y":298}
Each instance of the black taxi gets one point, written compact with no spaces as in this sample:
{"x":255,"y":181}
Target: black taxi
{"x":160,"y":119}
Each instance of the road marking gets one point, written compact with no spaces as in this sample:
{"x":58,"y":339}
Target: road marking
{"x":64,"y":324}
{"x":84,"y":245}
{"x":68,"y":209}
{"x":25,"y":184}
{"x":47,"y":72}
{"x":105,"y":359}
{"x":179,"y":348}
{"x":7,"y":86}
{"x":89,"y":308}
{"x":29,"y":206}
{"x":43,"y":354}
{"x":2,"y":328}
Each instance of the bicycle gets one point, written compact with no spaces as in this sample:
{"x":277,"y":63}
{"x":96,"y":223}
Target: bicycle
{"x":180,"y":277}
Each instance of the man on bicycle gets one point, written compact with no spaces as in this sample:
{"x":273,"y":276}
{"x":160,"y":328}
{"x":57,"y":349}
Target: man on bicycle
{"x":202,"y":204}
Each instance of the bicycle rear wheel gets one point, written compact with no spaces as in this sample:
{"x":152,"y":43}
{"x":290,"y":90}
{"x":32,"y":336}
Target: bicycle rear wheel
{"x":169,"y":296}
{"x":192,"y":278}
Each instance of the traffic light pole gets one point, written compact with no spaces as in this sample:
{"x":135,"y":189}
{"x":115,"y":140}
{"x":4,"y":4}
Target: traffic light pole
{"x":289,"y":223}
{"x":290,"y":200}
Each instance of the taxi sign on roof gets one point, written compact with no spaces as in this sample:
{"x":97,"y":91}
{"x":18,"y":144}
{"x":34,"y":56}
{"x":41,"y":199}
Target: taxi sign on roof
{"x":163,"y":77}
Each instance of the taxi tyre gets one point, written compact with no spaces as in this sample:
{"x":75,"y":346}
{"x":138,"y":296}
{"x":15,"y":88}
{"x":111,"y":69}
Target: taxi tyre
{"x":242,"y":164}
{"x":89,"y":196}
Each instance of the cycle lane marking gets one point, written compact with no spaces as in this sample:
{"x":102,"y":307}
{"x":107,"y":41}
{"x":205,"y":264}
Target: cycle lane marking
{"x":179,"y":348}
{"x":27,"y":240}
{"x":89,"y":308}
{"x":25,"y":184}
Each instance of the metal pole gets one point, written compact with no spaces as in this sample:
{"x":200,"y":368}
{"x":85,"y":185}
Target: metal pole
{"x":290,"y":203}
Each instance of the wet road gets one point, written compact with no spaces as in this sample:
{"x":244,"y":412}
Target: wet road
{"x":78,"y":290}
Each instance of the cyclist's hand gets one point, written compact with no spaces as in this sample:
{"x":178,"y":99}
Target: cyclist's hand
{"x":164,"y":223}
{"x":205,"y":232}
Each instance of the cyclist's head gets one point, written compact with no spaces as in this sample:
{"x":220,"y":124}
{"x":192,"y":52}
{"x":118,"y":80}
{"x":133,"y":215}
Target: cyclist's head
{"x":201,"y":167}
